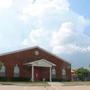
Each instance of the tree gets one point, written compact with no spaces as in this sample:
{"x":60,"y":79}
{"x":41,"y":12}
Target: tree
{"x":82,"y":73}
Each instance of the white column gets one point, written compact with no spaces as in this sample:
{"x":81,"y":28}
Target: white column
{"x":50,"y":74}
{"x":32,"y":73}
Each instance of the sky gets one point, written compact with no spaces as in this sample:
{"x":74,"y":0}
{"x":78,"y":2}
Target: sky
{"x":62,"y":27}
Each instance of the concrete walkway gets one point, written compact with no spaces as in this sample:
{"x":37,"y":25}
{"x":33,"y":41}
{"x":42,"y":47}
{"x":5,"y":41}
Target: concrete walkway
{"x":54,"y":86}
{"x":55,"y":83}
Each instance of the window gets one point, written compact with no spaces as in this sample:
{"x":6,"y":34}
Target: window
{"x":69,"y":66}
{"x":36,"y":52}
{"x":53,"y":72}
{"x":64,"y":73}
{"x":16,"y":71}
{"x":2,"y":70}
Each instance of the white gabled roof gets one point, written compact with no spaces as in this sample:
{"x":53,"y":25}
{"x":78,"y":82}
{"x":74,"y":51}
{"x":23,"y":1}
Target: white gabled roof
{"x":41,"y":63}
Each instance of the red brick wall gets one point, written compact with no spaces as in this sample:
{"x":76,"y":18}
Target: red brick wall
{"x":24,"y":56}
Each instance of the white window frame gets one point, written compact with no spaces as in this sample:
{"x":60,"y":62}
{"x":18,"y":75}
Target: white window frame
{"x":3,"y":70}
{"x":16,"y":71}
{"x":64,"y":73}
{"x":53,"y":72}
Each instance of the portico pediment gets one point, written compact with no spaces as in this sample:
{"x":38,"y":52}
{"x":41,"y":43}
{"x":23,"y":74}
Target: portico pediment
{"x":41,"y":63}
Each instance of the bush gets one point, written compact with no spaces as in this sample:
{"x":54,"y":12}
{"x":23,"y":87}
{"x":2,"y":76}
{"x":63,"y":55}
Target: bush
{"x":3,"y":78}
{"x":20,"y":79}
{"x":14,"y":79}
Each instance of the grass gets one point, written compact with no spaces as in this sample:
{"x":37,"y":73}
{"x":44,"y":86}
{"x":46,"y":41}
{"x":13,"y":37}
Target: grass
{"x":25,"y":83}
{"x":76,"y":83}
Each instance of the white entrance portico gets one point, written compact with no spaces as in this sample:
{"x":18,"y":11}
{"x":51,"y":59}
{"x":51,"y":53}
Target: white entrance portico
{"x":41,"y":63}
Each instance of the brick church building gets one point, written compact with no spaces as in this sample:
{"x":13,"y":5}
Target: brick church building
{"x":35,"y":63}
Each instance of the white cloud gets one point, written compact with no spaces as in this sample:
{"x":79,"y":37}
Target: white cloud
{"x":69,"y":40}
{"x":58,"y":26}
{"x":36,"y":38}
{"x":65,"y":31}
{"x":4,"y":4}
{"x":70,"y":48}
{"x":88,"y":48}
{"x":60,"y":37}
{"x":39,"y":7}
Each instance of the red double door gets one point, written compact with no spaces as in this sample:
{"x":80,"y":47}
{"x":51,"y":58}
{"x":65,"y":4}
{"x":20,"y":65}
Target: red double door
{"x":41,"y":73}
{"x":37,"y":74}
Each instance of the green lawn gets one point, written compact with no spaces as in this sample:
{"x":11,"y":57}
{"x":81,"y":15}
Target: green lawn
{"x":76,"y":83}
{"x":25,"y":83}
